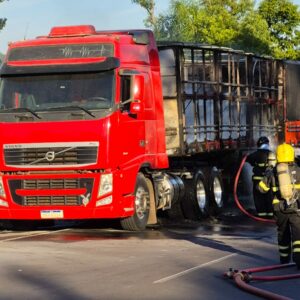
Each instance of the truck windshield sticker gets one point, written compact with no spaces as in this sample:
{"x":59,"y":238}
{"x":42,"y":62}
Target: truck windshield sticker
{"x":61,"y":52}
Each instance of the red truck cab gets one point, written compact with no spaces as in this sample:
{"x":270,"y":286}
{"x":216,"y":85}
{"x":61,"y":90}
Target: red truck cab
{"x":81,"y":114}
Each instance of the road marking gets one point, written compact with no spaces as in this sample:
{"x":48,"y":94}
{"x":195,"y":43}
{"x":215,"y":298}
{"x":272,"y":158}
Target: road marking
{"x":194,"y":268}
{"x":32,"y":235}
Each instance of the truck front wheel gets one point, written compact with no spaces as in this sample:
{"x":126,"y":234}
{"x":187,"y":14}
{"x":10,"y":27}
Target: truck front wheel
{"x":139,"y":220}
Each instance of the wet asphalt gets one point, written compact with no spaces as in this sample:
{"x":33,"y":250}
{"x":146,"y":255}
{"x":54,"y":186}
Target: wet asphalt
{"x":175,"y":260}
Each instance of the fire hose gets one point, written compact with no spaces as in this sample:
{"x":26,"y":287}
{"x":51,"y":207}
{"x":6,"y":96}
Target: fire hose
{"x":236,"y":199}
{"x":244,"y":277}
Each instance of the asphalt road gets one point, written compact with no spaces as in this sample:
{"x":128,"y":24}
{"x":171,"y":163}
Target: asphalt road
{"x":175,"y":261}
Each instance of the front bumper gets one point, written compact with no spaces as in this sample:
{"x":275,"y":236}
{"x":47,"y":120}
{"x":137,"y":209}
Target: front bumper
{"x":61,"y":196}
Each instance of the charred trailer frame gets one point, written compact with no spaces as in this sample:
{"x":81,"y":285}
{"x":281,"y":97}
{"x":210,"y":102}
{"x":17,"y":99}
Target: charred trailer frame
{"x":217,"y":103}
{"x":222,"y":99}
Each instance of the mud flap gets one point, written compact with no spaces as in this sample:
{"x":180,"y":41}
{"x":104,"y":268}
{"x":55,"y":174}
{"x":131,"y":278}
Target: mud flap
{"x":152,"y":212}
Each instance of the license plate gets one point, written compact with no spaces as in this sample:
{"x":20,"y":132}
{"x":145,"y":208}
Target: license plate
{"x":52,"y":214}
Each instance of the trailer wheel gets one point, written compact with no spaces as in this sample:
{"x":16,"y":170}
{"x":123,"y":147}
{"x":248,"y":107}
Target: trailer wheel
{"x":216,"y":190}
{"x":196,"y":204}
{"x":139,"y":219}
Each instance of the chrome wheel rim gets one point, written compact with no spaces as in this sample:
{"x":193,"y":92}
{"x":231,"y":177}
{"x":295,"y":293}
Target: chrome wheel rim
{"x":141,"y":202}
{"x":217,"y":190}
{"x":201,"y":195}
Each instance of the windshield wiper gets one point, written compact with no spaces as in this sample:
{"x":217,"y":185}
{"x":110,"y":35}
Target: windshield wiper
{"x":71,"y":107}
{"x":21,"y":109}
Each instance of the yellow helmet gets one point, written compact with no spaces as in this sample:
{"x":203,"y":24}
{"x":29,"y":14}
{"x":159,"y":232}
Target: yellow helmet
{"x":285,"y":153}
{"x":272,"y":159}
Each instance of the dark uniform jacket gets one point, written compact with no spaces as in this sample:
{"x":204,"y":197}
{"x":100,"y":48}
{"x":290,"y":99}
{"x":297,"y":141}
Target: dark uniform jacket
{"x":286,"y":214}
{"x":259,"y":161}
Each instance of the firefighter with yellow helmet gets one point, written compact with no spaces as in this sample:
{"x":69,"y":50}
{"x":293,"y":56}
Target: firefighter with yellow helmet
{"x":284,"y":180}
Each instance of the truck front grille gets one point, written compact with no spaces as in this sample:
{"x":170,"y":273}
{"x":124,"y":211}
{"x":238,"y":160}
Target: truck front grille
{"x":39,"y":186}
{"x":51,"y":200}
{"x":54,"y":155}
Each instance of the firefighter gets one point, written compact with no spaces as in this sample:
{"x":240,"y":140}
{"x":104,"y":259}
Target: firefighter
{"x":284,"y":181}
{"x":259,"y":161}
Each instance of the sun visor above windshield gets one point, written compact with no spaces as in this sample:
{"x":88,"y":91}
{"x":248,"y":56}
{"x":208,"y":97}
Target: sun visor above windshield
{"x":109,"y":63}
{"x":66,"y":51}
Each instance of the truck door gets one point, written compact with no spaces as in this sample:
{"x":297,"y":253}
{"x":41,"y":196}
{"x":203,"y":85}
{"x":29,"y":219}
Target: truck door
{"x":132,"y":140}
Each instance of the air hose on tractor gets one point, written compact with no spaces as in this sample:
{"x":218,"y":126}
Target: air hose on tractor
{"x":236,"y":199}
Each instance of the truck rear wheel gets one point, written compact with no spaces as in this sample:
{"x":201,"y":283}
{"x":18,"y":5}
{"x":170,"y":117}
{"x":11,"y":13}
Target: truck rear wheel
{"x":196,"y":204}
{"x":139,"y":220}
{"x":216,"y":191}
{"x":175,"y":213}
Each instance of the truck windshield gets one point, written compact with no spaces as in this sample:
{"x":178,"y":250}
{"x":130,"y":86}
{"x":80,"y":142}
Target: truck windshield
{"x":42,"y":93}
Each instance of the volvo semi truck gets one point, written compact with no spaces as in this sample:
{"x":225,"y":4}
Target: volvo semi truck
{"x":110,"y":124}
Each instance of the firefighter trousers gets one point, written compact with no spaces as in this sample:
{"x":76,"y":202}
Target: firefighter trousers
{"x":262,"y":202}
{"x":288,"y":229}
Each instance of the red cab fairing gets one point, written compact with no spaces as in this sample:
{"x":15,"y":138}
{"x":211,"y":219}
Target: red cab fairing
{"x":80,"y":159}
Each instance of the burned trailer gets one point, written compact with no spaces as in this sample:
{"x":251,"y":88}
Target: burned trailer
{"x":96,"y":136}
{"x":217,"y":103}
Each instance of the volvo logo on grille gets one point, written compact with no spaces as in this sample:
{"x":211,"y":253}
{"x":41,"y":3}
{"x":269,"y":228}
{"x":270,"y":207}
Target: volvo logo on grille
{"x":50,"y":156}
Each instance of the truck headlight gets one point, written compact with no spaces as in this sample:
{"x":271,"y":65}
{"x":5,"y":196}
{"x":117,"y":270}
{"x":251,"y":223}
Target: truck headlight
{"x":2,"y":191}
{"x":106,"y":184}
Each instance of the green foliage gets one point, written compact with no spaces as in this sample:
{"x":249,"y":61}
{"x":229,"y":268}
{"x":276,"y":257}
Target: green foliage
{"x":2,"y":20}
{"x":189,"y":21}
{"x":149,"y":5}
{"x":253,"y":35}
{"x":231,"y":23}
{"x":283,"y":20}
{"x":270,"y":29}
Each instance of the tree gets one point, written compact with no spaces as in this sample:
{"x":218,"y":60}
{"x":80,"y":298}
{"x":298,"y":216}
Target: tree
{"x":283,"y":19}
{"x":2,"y":20}
{"x":231,"y":23}
{"x":271,"y":29}
{"x":149,"y":5}
{"x":253,"y":35}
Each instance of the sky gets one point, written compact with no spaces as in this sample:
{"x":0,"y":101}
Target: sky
{"x":30,"y":18}
{"x":27,"y":19}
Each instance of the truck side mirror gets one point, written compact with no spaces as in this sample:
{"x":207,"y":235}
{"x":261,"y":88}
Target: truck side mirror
{"x":136,"y":107}
{"x":137,"y":87}
{"x":136,"y":94}
{"x":132,"y":92}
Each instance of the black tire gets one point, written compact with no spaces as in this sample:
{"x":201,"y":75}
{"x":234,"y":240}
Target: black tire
{"x":139,"y":220}
{"x":176,"y":213}
{"x":196,"y":201}
{"x":216,"y":191}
